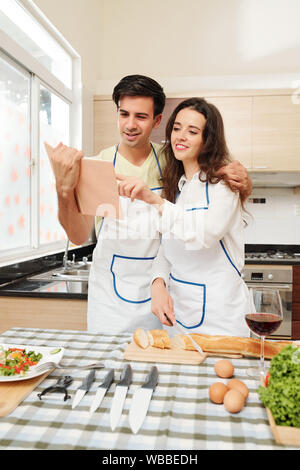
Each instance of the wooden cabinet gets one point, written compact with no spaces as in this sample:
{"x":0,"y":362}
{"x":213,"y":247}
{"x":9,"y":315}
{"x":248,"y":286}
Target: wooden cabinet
{"x":236,"y":112}
{"x":106,"y":131}
{"x":262,"y":127}
{"x":296,"y":303}
{"x":33,"y":312}
{"x":276,"y":133}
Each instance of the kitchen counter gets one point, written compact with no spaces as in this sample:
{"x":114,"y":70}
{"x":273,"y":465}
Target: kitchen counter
{"x":15,"y":282}
{"x":180,"y":416}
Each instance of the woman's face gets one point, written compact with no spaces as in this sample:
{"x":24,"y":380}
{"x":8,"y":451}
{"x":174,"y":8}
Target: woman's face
{"x":186,"y":136}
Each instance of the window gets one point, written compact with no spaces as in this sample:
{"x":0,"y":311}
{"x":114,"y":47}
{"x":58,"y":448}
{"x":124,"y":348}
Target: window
{"x":14,"y":157}
{"x":40,"y":100}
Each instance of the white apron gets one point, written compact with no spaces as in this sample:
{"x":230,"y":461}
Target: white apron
{"x":209,"y":295}
{"x":119,"y":282}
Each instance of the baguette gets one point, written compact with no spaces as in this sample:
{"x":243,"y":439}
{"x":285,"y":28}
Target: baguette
{"x":249,"y":347}
{"x":156,"y":338}
{"x":161,"y":339}
{"x":141,"y":338}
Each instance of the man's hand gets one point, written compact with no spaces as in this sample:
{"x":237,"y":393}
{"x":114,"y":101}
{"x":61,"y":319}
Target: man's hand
{"x":237,"y":178}
{"x":65,"y":163}
{"x":162,"y":302}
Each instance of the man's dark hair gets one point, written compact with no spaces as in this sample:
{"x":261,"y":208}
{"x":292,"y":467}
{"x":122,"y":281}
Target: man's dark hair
{"x":139,"y":85}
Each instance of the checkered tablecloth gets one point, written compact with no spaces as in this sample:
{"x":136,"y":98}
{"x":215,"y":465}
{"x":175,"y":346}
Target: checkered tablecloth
{"x":180,"y":416}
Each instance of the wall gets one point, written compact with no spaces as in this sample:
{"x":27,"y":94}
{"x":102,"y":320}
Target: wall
{"x":78,"y":21}
{"x":197,"y":44}
{"x":277,"y":221}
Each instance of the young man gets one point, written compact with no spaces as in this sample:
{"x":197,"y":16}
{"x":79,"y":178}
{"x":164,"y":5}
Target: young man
{"x":119,"y":283}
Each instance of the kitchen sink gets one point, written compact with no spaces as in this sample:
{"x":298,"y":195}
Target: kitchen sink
{"x":72,"y":272}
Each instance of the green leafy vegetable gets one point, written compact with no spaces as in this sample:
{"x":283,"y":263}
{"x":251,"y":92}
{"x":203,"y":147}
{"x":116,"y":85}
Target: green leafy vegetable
{"x":282,"y":395}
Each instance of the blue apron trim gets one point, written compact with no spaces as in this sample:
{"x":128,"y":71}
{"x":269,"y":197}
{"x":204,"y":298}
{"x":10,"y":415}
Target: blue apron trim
{"x":207,"y":195}
{"x":100,"y":228}
{"x":196,"y":209}
{"x":204,"y":301}
{"x":228,"y":257}
{"x":156,"y":158}
{"x":114,"y":279}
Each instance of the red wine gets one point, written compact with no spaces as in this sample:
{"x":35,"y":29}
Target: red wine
{"x":263,"y":324}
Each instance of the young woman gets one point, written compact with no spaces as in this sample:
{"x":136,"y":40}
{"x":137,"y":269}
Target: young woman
{"x":197,"y":273}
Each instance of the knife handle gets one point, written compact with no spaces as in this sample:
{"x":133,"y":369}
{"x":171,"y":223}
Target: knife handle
{"x":151,"y":379}
{"x":126,"y":376}
{"x":87,"y":382}
{"x":108,"y":379}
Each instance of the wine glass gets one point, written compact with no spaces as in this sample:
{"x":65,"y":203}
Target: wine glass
{"x":265,"y":319}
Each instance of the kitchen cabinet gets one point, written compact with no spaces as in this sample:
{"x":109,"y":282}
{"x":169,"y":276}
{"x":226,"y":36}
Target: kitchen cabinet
{"x":296,"y":303}
{"x":276,"y":133}
{"x":106,"y":131}
{"x":236,"y":112}
{"x":35,"y":312}
{"x":262,"y":127}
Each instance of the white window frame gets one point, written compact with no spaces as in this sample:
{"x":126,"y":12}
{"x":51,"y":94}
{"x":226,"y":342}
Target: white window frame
{"x":42,"y":76}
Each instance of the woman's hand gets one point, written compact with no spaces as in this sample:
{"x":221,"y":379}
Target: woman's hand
{"x":162,"y":302}
{"x":134,"y":188}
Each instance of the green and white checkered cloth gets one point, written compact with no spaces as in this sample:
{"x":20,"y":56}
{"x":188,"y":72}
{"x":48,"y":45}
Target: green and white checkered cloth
{"x":180,"y":416}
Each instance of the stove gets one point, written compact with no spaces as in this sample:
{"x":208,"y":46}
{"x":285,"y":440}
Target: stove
{"x":272,"y":256}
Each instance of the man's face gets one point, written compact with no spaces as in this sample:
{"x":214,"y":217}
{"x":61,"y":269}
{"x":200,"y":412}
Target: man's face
{"x":136,"y":120}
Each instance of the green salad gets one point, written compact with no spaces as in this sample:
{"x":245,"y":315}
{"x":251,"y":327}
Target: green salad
{"x":16,"y":361}
{"x":282,"y":394}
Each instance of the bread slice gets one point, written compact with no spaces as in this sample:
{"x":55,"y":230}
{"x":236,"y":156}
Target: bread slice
{"x":232,"y":345}
{"x":156,"y":338}
{"x":160,"y":338}
{"x":141,"y":338}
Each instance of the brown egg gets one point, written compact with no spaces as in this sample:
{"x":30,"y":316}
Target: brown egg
{"x":234,"y":401}
{"x":224,"y":368}
{"x":238,"y":385}
{"x":217,"y":392}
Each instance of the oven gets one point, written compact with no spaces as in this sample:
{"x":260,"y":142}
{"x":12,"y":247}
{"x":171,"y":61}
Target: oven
{"x":278,"y":277}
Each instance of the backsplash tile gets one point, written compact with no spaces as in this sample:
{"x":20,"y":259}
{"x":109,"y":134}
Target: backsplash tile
{"x":275,"y":221}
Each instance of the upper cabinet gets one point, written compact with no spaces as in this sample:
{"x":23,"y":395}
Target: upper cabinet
{"x":262,"y":128}
{"x":276,"y":133}
{"x":237,"y":117}
{"x":106,"y":131}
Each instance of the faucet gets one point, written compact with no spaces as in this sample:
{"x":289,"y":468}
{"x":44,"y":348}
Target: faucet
{"x":66,"y":262}
{"x":65,"y":258}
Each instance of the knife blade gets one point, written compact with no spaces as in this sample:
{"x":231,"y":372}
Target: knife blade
{"x":119,"y":396}
{"x":101,"y":391}
{"x":141,"y":400}
{"x":84,"y":388}
{"x":182,"y":330}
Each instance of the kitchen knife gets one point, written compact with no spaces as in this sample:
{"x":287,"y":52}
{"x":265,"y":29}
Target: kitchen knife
{"x":102,"y":389}
{"x":119,"y":396}
{"x":182,"y":330}
{"x":141,"y":400}
{"x":84,"y":388}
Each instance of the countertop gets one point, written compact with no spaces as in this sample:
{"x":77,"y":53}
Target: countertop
{"x":16,"y":281}
{"x":180,"y":415}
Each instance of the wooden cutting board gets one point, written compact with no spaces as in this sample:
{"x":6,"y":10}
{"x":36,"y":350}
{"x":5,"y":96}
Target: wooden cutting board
{"x":13,"y":393}
{"x":175,"y":355}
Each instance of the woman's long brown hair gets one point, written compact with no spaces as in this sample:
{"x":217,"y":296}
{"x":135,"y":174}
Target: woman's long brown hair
{"x":214,"y":153}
